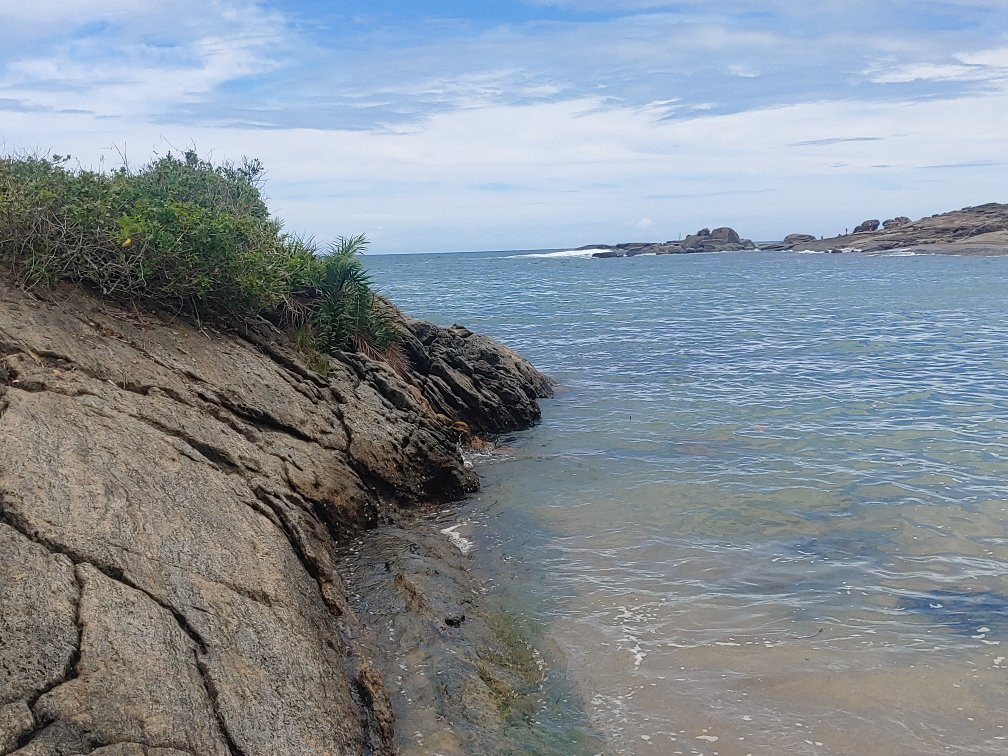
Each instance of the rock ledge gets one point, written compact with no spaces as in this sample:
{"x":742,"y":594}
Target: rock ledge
{"x":172,"y":499}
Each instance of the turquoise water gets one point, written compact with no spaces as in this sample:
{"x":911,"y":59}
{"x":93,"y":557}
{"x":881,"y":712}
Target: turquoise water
{"x":767,"y":511}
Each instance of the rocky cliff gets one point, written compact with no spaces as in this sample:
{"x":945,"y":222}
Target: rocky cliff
{"x":172,"y":503}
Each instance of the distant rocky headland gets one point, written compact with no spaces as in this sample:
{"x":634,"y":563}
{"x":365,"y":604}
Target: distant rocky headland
{"x":979,"y":230}
{"x":721,"y":239}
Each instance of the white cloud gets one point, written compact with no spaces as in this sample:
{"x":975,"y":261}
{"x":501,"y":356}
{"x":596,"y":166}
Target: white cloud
{"x":743,"y":70}
{"x":982,"y":65}
{"x":996,"y":58}
{"x":681,"y":119}
{"x":113,"y":74}
{"x":589,"y":167}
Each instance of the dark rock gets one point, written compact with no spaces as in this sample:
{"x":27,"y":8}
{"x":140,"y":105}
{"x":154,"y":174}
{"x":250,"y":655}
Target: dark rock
{"x":986,"y":228}
{"x":722,"y":239}
{"x":798,"y":238}
{"x":865,"y":226}
{"x":696,"y":242}
{"x":725,"y":234}
{"x":719,"y":240}
{"x":466,"y":675}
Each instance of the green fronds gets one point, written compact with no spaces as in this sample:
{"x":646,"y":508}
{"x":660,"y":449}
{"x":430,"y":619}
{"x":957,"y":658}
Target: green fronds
{"x":348,"y":315}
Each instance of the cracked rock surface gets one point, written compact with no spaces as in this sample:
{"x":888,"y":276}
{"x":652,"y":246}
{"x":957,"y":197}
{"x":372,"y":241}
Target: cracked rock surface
{"x":170,"y":501}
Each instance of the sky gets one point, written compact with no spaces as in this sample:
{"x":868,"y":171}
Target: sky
{"x":532,"y":124}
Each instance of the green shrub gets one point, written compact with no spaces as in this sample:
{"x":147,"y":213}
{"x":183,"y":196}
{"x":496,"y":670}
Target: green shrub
{"x":186,"y":235}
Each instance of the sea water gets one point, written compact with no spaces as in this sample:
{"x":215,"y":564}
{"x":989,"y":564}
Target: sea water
{"x":767,"y":510}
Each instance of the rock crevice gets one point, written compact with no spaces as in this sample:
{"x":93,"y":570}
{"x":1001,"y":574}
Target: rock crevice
{"x":171,"y":502}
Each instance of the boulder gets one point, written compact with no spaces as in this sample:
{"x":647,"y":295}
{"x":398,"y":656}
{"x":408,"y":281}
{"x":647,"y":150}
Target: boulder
{"x":725,"y":234}
{"x":798,"y":238}
{"x":900,"y":220}
{"x":868,"y":225}
{"x":721,"y":239}
{"x":695,"y":242}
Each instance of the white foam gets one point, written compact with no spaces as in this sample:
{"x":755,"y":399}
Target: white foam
{"x":459,"y":542}
{"x":562,"y":253}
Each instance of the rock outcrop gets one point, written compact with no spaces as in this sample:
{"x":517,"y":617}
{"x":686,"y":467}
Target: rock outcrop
{"x":798,"y":238}
{"x":981,"y":230}
{"x":721,"y":239}
{"x":172,"y":499}
{"x":899,"y":220}
{"x":866,"y":226}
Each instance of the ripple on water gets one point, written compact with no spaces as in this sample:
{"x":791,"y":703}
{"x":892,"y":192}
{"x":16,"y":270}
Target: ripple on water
{"x":768,"y":511}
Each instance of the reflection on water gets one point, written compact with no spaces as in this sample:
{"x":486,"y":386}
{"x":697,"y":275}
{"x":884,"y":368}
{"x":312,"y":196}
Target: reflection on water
{"x":768,"y":512}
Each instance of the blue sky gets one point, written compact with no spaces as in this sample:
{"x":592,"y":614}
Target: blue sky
{"x":478,"y":125}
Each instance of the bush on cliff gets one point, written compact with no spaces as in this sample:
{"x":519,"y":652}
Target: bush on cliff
{"x":186,"y":235}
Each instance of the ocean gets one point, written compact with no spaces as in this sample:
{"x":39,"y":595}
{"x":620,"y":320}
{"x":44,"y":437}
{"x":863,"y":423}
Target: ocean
{"x":767,"y":510}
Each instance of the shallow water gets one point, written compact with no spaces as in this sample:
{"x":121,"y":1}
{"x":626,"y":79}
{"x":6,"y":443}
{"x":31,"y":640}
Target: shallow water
{"x":767,"y":512}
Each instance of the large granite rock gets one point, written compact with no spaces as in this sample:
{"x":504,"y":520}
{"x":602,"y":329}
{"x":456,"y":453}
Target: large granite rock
{"x":722,"y":239}
{"x":897,"y":222}
{"x":865,"y":226}
{"x":170,"y":501}
{"x":726,"y":235}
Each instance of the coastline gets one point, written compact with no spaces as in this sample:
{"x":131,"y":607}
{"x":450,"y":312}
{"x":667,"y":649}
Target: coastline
{"x":164,"y":480}
{"x":980,"y":231}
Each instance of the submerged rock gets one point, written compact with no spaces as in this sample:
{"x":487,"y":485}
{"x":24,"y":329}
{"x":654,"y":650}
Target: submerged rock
{"x":445,"y":656}
{"x":170,"y":500}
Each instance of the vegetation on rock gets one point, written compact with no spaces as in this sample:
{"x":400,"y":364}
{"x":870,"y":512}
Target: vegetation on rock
{"x":185,"y":235}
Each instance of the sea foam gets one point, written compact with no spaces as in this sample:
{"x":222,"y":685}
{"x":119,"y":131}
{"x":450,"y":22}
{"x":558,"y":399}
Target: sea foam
{"x":561,"y":253}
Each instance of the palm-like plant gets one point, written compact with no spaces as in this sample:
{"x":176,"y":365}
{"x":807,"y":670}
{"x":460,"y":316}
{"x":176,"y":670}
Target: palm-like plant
{"x":348,"y":316}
